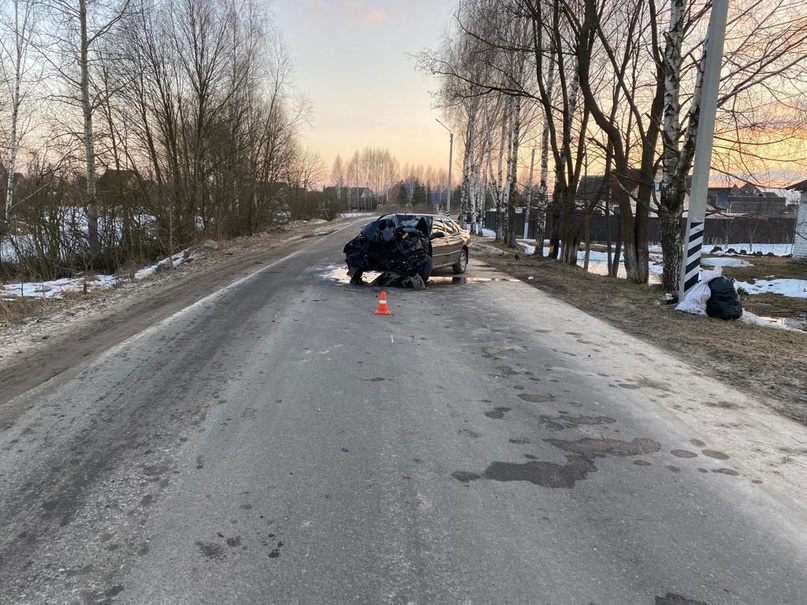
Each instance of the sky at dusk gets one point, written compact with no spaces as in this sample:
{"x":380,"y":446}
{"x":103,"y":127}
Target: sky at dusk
{"x":351,"y":58}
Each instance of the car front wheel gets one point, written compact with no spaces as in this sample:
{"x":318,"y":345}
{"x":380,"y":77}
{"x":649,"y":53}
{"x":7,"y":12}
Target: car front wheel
{"x":462,"y":263}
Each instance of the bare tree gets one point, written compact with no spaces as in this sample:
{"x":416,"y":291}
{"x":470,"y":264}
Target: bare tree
{"x":636,"y":82}
{"x":565,"y":120}
{"x":649,"y":73}
{"x":461,"y":99}
{"x":523,"y":47}
{"x":338,"y":174}
{"x":84,"y":25}
{"x":15,"y":42}
{"x":216,"y":115}
{"x":765,"y":68}
{"x":376,"y":170}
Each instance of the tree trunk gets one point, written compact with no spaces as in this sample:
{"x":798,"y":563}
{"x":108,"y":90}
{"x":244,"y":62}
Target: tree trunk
{"x":467,"y":193}
{"x":89,"y":149}
{"x":673,"y":250}
{"x":554,"y":237}
{"x":677,"y":157}
{"x":20,"y":37}
{"x":633,"y":228}
{"x":512,"y":171}
{"x":500,"y":190}
{"x":542,"y":205}
{"x":543,"y":200}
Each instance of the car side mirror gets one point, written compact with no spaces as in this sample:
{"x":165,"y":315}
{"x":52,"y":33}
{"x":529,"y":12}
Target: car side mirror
{"x":437,"y":234}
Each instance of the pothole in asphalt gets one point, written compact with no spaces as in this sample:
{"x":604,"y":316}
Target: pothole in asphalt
{"x":714,"y":454}
{"x":607,"y":447}
{"x":567,"y":422}
{"x":545,"y":474}
{"x":497,"y":413}
{"x":674,"y":599}
{"x":531,"y":398}
{"x":549,"y":474}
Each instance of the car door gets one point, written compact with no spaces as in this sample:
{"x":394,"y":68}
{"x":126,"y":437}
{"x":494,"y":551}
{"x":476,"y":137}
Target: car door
{"x":446,"y":250}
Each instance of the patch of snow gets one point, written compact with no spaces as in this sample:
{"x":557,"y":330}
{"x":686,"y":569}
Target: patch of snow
{"x":598,"y":261}
{"x":7,"y":253}
{"x":60,"y":288}
{"x":767,"y":322}
{"x":793,"y":288}
{"x":355,"y":214}
{"x":725,"y":261}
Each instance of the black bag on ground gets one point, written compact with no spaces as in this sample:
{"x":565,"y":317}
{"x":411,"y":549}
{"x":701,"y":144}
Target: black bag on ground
{"x":724,"y":302}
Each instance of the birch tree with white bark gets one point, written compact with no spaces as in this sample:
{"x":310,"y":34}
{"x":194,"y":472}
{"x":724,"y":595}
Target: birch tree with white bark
{"x":483,"y":73}
{"x":78,"y":28}
{"x":17,"y":21}
{"x":763,"y":78}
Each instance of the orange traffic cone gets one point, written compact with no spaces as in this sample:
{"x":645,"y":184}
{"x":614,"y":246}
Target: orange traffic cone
{"x":383,"y":309}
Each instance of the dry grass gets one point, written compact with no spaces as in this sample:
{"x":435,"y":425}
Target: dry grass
{"x":768,"y":363}
{"x":15,"y":310}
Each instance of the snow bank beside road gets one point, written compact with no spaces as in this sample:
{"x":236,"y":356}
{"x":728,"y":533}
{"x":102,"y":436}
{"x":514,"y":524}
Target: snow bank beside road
{"x":60,"y":288}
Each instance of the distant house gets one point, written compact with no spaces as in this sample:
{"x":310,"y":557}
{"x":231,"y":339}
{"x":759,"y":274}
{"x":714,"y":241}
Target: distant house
{"x":355,"y":198}
{"x":729,"y":201}
{"x":117,"y":179}
{"x":748,"y":200}
{"x":716,"y":197}
{"x":800,"y":239}
{"x":117,"y":186}
{"x":590,"y":189}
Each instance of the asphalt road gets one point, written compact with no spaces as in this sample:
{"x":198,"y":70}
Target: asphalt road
{"x":279,"y":443}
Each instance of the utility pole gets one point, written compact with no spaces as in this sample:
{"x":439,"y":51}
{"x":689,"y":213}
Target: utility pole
{"x":703,"y":146}
{"x":450,"y":161}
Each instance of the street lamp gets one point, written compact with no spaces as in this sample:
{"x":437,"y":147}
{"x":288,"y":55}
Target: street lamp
{"x":450,"y":161}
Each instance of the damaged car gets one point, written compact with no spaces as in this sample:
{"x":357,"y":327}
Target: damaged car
{"x":406,"y":248}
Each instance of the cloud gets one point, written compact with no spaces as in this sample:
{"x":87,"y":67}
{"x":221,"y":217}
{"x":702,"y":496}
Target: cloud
{"x":376,"y":15}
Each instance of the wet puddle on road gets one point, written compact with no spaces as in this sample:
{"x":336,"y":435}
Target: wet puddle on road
{"x":607,"y":447}
{"x":339,"y":274}
{"x":497,"y":413}
{"x":550,"y":474}
{"x":675,"y":599}
{"x":546,"y":474}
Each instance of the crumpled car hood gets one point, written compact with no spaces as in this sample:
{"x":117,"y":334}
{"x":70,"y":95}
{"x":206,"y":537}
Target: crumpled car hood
{"x":396,"y":244}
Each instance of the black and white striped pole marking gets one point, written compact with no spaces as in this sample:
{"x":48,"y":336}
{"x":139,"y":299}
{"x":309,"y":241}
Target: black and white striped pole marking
{"x":713,"y":50}
{"x":694,"y":245}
